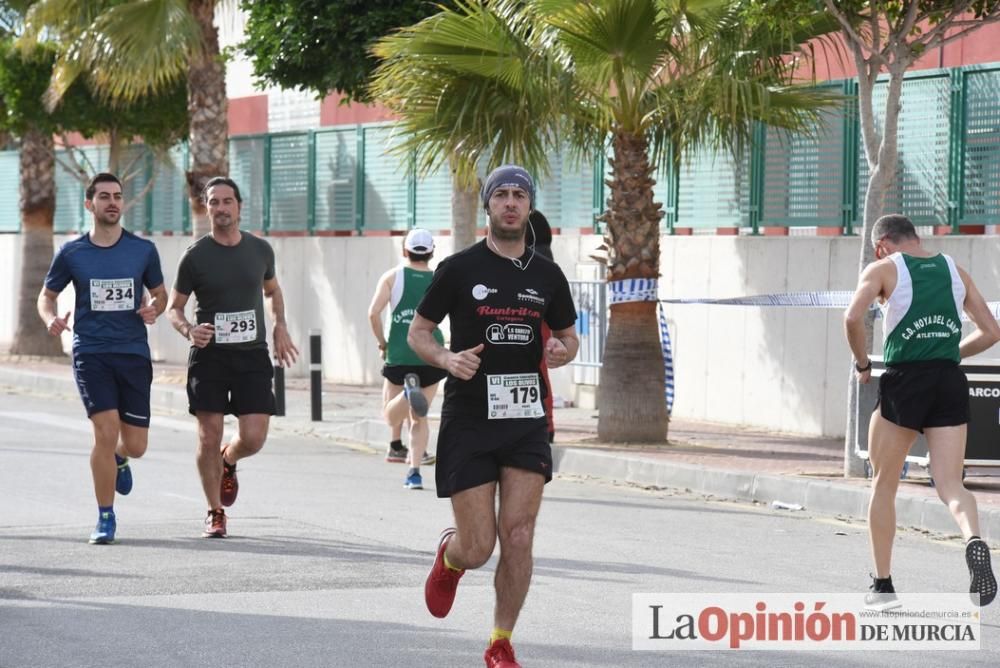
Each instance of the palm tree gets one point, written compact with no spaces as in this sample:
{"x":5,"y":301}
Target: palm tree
{"x":37,"y":158}
{"x":130,"y":50}
{"x":37,"y":185}
{"x":507,"y":81}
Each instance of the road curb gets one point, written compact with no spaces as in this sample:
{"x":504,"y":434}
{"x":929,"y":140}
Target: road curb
{"x":816,"y":496}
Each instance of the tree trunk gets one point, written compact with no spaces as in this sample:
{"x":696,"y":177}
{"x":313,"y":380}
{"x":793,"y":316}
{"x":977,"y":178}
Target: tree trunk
{"x":883,"y":169}
{"x":882,"y":154}
{"x":38,"y":197}
{"x":464,"y":209}
{"x":630,"y":396}
{"x":207,"y":109}
{"x":115,"y":148}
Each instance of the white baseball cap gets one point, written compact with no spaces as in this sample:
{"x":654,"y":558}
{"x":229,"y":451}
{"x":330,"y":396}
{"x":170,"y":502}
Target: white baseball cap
{"x":419,"y":241}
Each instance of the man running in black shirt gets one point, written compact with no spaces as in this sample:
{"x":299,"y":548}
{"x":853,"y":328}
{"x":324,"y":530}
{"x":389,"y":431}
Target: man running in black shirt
{"x":230,"y":273}
{"x":493,"y":434}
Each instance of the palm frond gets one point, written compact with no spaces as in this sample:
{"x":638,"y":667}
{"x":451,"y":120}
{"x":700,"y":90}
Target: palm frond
{"x":466,"y":83}
{"x":141,"y":46}
{"x":126,"y":50}
{"x":513,"y":80}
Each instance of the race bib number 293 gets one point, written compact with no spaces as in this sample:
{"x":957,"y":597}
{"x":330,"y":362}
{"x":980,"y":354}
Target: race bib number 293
{"x":238,"y":327}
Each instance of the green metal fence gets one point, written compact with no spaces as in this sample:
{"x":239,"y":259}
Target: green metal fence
{"x":920,"y":186}
{"x":976,"y":169}
{"x":345,"y":179}
{"x":10,"y":215}
{"x":804,"y":181}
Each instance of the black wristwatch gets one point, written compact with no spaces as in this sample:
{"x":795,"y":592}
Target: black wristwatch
{"x":862,"y":369}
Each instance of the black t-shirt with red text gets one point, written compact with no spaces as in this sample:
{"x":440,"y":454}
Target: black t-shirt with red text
{"x":491,"y":301}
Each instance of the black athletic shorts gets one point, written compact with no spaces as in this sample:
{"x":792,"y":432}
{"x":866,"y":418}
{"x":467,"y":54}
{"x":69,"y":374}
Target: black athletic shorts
{"x":230,"y":381}
{"x":118,"y":381}
{"x":470,"y":451}
{"x":429,"y":375}
{"x":916,"y":395}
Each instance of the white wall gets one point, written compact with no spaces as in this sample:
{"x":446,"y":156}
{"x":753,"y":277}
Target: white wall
{"x":10,"y":274}
{"x":779,"y":368}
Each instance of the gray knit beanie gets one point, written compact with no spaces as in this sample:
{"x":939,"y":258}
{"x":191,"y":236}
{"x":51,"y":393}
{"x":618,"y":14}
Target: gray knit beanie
{"x":508,"y":176}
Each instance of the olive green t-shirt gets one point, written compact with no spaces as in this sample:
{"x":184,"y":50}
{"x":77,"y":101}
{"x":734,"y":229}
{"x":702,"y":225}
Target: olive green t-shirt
{"x":228,"y":282}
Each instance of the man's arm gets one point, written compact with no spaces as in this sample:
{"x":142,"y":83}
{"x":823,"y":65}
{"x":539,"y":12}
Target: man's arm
{"x":199,"y":335}
{"x":870,"y":286}
{"x":285,"y":351}
{"x":561,"y":347}
{"x":462,"y":364}
{"x":383,"y":292}
{"x":987,"y":330}
{"x":46,"y":305}
{"x":157,"y":304}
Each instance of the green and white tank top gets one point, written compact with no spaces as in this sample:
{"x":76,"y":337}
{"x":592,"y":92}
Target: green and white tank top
{"x":922,"y":317}
{"x":408,"y":289}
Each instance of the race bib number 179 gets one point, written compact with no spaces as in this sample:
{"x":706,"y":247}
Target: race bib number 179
{"x":513,"y":395}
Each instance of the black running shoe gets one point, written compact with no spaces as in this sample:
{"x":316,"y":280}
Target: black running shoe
{"x":396,"y":455}
{"x":882,"y":595}
{"x":977,"y":556}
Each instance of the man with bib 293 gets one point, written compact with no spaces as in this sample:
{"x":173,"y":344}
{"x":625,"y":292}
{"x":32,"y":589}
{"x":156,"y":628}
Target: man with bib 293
{"x":230,"y":272}
{"x":494,"y":434}
{"x":109,"y":267}
{"x":922,"y":296}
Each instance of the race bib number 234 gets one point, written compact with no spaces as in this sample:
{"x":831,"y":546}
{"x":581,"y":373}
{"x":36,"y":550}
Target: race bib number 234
{"x":112,"y":294}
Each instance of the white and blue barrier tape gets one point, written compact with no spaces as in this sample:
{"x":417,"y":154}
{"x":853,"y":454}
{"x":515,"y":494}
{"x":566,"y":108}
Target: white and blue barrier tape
{"x":839,"y":299}
{"x":828,"y":299}
{"x":633,"y":290}
{"x":646,"y":290}
{"x":668,"y":359}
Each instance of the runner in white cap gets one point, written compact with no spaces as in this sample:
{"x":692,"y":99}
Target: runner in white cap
{"x":410,"y":384}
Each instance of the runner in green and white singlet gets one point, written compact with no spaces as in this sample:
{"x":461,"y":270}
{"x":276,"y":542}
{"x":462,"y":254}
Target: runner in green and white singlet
{"x":410,"y":384}
{"x":922,"y":390}
{"x":923,"y":313}
{"x":408,"y":288}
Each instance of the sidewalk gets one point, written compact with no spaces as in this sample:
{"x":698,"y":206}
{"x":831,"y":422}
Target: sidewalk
{"x":722,"y":461}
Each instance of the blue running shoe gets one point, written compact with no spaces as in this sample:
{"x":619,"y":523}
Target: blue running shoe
{"x":104,"y":533}
{"x":123,"y":480}
{"x":411,"y":388}
{"x":414,"y":481}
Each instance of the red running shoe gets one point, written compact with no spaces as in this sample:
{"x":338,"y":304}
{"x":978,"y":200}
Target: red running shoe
{"x":230,"y":485}
{"x":442,"y":582}
{"x":215,"y":524}
{"x":500,"y":655}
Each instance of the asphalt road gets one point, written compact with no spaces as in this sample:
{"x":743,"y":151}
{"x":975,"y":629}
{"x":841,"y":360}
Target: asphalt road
{"x":328,"y":552}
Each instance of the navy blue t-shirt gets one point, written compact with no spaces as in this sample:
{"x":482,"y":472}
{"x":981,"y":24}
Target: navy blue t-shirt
{"x":109,"y":285}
